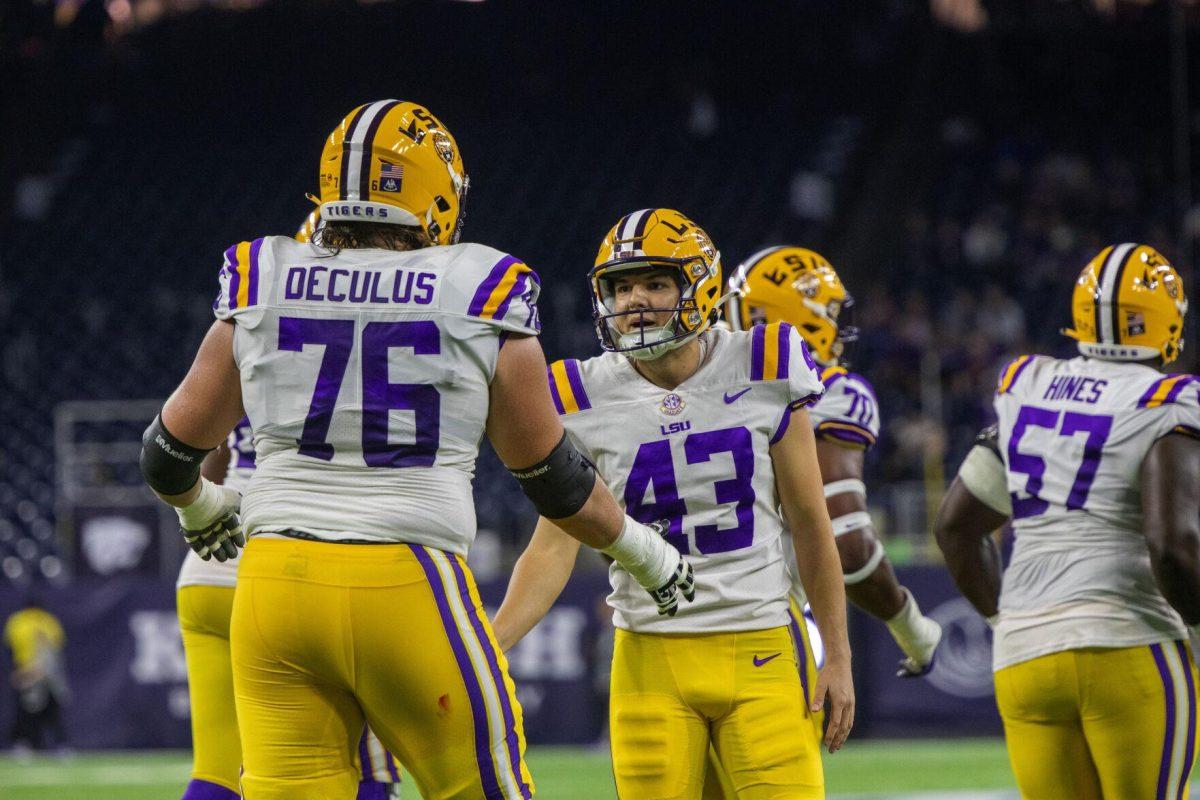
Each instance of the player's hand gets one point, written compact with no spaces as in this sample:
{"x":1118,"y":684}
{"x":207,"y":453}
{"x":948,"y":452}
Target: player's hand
{"x":682,"y":580}
{"x":211,"y":526}
{"x":835,"y":683}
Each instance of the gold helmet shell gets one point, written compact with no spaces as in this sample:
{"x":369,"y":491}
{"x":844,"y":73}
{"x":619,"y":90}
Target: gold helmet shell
{"x":797,"y":286}
{"x":392,"y":161}
{"x":309,"y":227}
{"x":652,"y":239}
{"x":1128,"y":305}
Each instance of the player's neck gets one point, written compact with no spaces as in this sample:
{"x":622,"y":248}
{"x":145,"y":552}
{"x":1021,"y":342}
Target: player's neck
{"x":674,"y":367}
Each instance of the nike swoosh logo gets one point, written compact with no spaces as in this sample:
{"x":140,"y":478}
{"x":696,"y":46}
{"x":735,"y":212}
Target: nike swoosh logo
{"x":759,"y":662}
{"x":730,"y":398}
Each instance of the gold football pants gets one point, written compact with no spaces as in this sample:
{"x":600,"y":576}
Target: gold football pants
{"x":204,"y":613}
{"x":325,"y":635}
{"x":1101,"y":723}
{"x":674,"y":695}
{"x":717,"y":785}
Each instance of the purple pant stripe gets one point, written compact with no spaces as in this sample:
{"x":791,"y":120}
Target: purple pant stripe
{"x":364,"y":755}
{"x":252,"y":293}
{"x":581,"y":398}
{"x":203,"y":790}
{"x":554,"y":395}
{"x":392,"y":767}
{"x":371,"y":790}
{"x":485,"y":644}
{"x":785,"y":349}
{"x":489,"y":284}
{"x":1189,"y":753}
{"x":235,"y":280}
{"x":483,"y":755}
{"x":757,"y":353}
{"x":801,"y":654}
{"x":1164,"y":767}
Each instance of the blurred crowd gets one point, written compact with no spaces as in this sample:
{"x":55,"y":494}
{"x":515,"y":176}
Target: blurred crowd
{"x":986,"y":273}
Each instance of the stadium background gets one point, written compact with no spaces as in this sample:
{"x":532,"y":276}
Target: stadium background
{"x":957,"y":161}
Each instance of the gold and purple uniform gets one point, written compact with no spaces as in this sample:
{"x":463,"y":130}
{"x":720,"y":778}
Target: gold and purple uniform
{"x":724,"y":671}
{"x":1094,"y":679}
{"x":204,"y":601}
{"x":365,"y":375}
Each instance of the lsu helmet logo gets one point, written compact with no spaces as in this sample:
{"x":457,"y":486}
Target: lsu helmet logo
{"x":797,"y":286}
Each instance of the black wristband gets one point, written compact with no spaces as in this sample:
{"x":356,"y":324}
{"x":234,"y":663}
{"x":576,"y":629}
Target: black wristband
{"x":169,"y":466}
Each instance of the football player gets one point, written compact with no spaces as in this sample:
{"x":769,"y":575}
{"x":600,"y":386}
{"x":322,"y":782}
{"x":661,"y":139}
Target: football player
{"x":370,"y":362}
{"x":708,"y":429}
{"x":800,"y":287}
{"x":1096,"y":460}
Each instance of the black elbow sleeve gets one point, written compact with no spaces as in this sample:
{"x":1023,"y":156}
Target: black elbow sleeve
{"x":560,"y":483}
{"x":168,"y":465}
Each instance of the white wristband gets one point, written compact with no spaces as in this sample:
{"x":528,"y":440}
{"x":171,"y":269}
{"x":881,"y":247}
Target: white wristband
{"x":644,"y":554}
{"x":206,"y":509}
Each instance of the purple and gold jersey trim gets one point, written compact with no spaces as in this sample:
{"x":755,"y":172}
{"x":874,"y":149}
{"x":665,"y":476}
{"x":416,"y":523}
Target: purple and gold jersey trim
{"x":242,"y":263}
{"x":508,"y":280}
{"x":831,"y":375}
{"x":770,"y":352}
{"x":1011,"y":373}
{"x":1165,"y":390}
{"x":566,"y":387}
{"x":846,"y":433}
{"x":498,"y":746}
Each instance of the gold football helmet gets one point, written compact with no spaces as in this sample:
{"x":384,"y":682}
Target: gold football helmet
{"x":310,"y":225}
{"x":797,"y":286}
{"x":392,"y":161}
{"x":1129,"y":305}
{"x":652,"y":239}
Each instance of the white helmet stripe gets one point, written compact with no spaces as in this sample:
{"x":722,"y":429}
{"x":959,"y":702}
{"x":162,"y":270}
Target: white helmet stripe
{"x":1109,"y":273}
{"x":630,"y":228}
{"x":356,"y":140}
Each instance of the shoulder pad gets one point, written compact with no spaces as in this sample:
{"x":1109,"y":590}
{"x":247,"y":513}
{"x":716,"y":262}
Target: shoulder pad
{"x":772,"y":353}
{"x":566,"y":387}
{"x":1166,"y":390}
{"x":503,"y":291}
{"x":1011,"y":373}
{"x":239,"y":279}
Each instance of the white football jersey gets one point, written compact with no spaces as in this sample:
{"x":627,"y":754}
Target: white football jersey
{"x":1073,"y":434}
{"x":365,"y":375}
{"x":847,"y":413}
{"x":697,"y":456}
{"x":195,"y":571}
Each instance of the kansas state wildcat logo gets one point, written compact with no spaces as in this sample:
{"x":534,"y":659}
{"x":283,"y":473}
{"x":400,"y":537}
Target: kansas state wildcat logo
{"x":672,"y":404}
